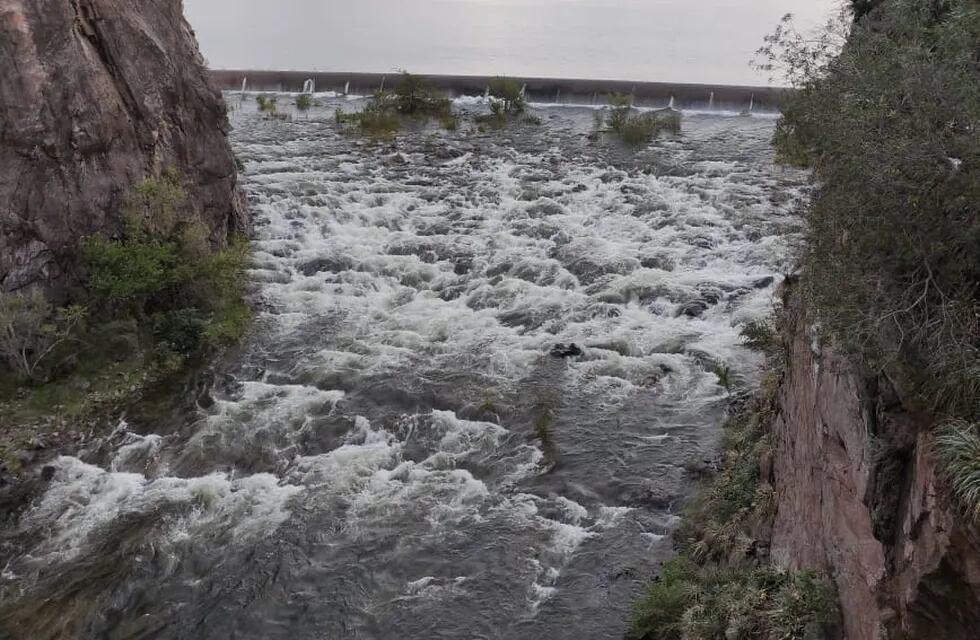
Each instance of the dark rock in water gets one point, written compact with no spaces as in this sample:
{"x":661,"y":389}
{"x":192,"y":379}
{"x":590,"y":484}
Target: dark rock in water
{"x":562,"y":351}
{"x":544,"y":208}
{"x":663,"y":263}
{"x":710,"y":294}
{"x":579,"y":188}
{"x":97,"y":96}
{"x":693,"y":309}
{"x":448,"y":153}
{"x":324,"y":265}
{"x":762,"y":283}
{"x":462,"y":266}
{"x":47,"y":473}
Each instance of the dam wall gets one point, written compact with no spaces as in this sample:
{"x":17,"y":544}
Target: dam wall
{"x":540,"y":90}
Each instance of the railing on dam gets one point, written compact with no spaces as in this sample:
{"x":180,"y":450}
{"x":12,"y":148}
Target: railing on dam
{"x":542,"y":90}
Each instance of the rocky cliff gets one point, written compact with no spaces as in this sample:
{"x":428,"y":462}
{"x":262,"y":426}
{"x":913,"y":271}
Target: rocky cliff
{"x":94,"y":96}
{"x":858,"y":495}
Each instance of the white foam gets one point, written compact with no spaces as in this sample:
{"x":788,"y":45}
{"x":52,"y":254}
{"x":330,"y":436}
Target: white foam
{"x":82,"y":499}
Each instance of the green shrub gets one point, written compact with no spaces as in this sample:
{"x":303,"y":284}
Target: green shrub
{"x":761,"y":335}
{"x":415,"y":96}
{"x":634,"y":128}
{"x":620,"y":107}
{"x":266,"y":104}
{"x":660,"y":614}
{"x":179,"y":332}
{"x":691,"y":602}
{"x":304,"y":102}
{"x":509,"y":94}
{"x":32,"y":331}
{"x":639,"y":129}
{"x":130,"y":274}
{"x":154,"y":204}
{"x":165,"y":273}
{"x":379,"y":122}
{"x":726,"y":377}
{"x":450,"y":123}
{"x":412,"y":97}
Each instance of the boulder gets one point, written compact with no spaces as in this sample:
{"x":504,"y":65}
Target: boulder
{"x":96,"y":95}
{"x":562,"y":351}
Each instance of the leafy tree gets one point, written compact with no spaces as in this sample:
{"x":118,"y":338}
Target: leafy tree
{"x":32,"y":330}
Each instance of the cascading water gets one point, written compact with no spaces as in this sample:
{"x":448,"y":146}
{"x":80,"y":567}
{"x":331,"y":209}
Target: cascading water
{"x":394,"y":453}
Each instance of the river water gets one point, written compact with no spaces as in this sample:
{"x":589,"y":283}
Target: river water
{"x":393,"y":453}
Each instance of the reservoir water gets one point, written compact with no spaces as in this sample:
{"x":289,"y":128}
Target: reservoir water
{"x":711,"y":41}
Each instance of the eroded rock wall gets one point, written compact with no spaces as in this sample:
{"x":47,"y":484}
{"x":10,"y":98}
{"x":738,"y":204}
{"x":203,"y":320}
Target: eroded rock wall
{"x":859,"y":495}
{"x":94,"y":96}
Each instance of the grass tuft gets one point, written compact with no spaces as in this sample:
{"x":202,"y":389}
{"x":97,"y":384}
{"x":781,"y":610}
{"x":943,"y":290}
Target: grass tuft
{"x":958,"y":445}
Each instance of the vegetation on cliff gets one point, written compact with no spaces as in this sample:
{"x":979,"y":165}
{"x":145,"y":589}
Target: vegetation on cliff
{"x":157,"y":295}
{"x":889,"y":128}
{"x":887,"y":120}
{"x":886,"y":115}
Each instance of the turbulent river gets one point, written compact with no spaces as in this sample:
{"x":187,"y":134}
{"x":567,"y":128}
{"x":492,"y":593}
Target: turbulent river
{"x":393,"y":453}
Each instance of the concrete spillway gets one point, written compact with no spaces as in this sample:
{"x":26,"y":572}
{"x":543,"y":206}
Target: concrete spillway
{"x":546,"y":90}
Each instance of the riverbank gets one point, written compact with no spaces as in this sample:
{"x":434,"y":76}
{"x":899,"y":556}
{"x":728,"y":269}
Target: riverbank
{"x":829,"y":516}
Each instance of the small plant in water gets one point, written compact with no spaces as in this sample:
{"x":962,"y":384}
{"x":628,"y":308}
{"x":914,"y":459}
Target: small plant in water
{"x":413,"y":97}
{"x":725,"y":376}
{"x":266,"y":103}
{"x":633,"y":128}
{"x":304,"y":102}
{"x":509,"y":94}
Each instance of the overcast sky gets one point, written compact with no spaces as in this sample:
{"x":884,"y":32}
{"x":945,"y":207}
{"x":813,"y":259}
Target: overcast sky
{"x":660,"y":40}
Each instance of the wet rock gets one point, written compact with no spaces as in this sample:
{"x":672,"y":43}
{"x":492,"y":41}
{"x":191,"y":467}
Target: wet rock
{"x":693,"y":309}
{"x":98,"y":95}
{"x":325,"y":265}
{"x":710,"y":293}
{"x":579,"y":188}
{"x":588,"y":270}
{"x":499,"y":269}
{"x":763,"y":283}
{"x":662,"y":263}
{"x":562,"y":351}
{"x":47,"y":473}
{"x":448,"y":153}
{"x":545,"y":208}
{"x":462,"y":266}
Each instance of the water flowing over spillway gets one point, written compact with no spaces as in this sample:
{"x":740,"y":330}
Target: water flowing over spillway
{"x":394,"y":453}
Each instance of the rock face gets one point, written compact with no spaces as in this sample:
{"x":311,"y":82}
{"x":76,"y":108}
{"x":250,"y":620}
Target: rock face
{"x":96,"y":95}
{"x":858,"y":496}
